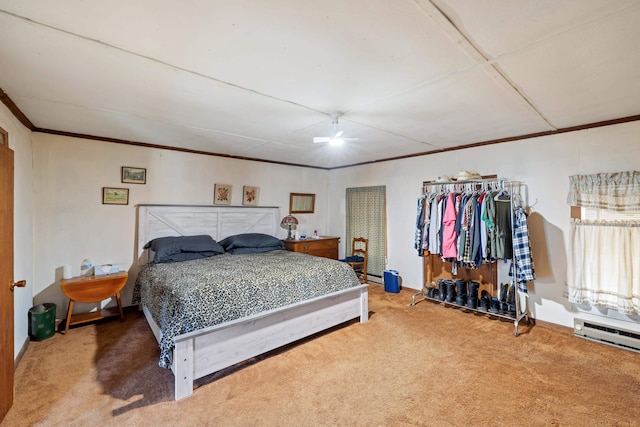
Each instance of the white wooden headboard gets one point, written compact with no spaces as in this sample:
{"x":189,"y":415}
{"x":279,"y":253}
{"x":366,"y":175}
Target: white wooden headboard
{"x":217,"y":221}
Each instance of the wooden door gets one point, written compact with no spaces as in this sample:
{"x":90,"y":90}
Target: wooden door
{"x":6,"y":276}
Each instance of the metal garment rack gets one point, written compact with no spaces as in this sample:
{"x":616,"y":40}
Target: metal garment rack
{"x":514,"y":189}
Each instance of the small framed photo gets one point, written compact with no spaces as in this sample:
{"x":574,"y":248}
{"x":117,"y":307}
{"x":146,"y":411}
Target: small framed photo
{"x":222,"y":194}
{"x":134,"y":175}
{"x":250,"y":195}
{"x":115,"y":196}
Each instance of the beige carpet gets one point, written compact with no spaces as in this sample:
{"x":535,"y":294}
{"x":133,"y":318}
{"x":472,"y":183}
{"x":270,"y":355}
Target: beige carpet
{"x":408,"y":366}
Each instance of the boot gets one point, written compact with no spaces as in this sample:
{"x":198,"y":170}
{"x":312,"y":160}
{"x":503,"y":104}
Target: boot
{"x":511,"y":300}
{"x":451,"y":291}
{"x":432,"y":292}
{"x":494,"y":306}
{"x":461,"y":289}
{"x":442,"y":289}
{"x":502,"y":292}
{"x":485,"y":301}
{"x":472,"y":298}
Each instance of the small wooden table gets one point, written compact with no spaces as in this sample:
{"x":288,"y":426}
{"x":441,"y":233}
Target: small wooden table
{"x":93,"y":289}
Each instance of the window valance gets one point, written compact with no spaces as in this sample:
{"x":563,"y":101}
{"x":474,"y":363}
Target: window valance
{"x":618,"y":191}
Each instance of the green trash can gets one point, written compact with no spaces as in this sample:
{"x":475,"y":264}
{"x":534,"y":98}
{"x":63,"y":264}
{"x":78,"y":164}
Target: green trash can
{"x":42,"y":321}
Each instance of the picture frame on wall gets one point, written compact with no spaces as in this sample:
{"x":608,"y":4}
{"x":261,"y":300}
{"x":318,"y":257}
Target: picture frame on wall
{"x":131,"y":175}
{"x":115,"y":196}
{"x":250,"y":195}
{"x":222,"y":194}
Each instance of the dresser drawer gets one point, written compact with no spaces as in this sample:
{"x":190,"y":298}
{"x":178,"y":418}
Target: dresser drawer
{"x":326,"y":247}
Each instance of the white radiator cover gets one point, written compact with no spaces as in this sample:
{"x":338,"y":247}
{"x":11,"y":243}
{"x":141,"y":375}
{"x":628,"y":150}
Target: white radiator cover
{"x":607,"y":334}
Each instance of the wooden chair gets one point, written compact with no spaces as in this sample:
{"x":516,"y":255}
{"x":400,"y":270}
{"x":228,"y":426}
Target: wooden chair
{"x":359,"y":247}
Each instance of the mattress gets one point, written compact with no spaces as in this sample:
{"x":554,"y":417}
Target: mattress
{"x":187,"y":296}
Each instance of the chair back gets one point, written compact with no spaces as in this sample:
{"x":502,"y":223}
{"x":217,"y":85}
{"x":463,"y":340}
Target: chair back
{"x":360,"y":246}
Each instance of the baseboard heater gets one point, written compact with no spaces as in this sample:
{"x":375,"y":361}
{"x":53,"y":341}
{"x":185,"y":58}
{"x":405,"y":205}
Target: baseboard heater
{"x":617,"y":337}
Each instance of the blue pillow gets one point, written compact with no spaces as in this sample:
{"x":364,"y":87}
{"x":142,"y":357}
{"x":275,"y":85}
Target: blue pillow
{"x":174,"y":248}
{"x":251,"y":240}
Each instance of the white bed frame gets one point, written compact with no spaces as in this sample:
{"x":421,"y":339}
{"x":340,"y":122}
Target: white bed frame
{"x":209,"y":350}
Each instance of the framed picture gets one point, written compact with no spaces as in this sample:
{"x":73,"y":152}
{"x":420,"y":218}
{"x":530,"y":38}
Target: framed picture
{"x":115,"y":196}
{"x":134,"y":175}
{"x":300,"y":203}
{"x":250,"y":195}
{"x":222,"y":194}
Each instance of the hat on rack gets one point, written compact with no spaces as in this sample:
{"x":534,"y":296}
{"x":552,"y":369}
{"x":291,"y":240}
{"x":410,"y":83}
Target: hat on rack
{"x":443,"y":178}
{"x":468,"y":176}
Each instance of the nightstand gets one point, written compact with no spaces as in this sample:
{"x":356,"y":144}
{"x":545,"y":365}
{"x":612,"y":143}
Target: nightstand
{"x":93,"y":289}
{"x":326,"y":247}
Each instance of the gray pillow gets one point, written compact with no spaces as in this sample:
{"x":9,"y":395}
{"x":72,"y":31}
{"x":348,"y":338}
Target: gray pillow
{"x":251,"y":240}
{"x":183,"y":248}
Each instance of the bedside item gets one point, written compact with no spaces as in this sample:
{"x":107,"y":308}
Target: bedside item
{"x":93,"y":289}
{"x":289,"y":222}
{"x":66,"y":272}
{"x":85,"y":267}
{"x":326,"y":247}
{"x":104,"y":269}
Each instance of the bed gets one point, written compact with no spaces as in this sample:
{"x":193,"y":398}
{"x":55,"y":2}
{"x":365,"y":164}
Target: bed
{"x":258,"y":308}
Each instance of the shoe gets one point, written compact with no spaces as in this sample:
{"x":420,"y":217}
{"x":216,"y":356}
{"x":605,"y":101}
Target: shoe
{"x":502,"y":292}
{"x":494,"y":307}
{"x":451,"y":291}
{"x":485,"y":301}
{"x":511,"y":295}
{"x":461,"y":291}
{"x":504,"y":308}
{"x":472,"y":298}
{"x":432,"y":292}
{"x":442,"y":289}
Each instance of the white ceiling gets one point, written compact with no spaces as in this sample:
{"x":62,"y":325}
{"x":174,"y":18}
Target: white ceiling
{"x":260,"y":79}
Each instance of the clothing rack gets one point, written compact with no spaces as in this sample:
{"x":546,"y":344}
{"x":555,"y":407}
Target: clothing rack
{"x":492,"y":184}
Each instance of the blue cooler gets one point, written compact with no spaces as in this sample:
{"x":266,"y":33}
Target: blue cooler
{"x":391,"y":281}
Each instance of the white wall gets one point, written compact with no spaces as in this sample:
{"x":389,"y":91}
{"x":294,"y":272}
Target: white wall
{"x":71,"y":223}
{"x":20,"y":143}
{"x":544,"y":164}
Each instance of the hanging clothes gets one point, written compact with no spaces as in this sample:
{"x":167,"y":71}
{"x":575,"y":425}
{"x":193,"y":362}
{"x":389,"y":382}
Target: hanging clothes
{"x":420,"y":218}
{"x":469,"y":226}
{"x":522,"y":251}
{"x":449,"y":249}
{"x":504,"y":248}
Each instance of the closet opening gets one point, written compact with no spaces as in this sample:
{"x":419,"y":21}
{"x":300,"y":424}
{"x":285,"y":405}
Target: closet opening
{"x":366,"y":209}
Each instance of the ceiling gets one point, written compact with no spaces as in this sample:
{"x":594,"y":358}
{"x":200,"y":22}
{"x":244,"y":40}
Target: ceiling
{"x":260,"y":79}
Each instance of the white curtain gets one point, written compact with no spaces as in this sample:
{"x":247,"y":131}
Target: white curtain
{"x":604,"y":264}
{"x":619,"y":191}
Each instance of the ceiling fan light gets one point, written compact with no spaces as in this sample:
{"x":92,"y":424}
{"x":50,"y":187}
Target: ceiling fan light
{"x":336,"y":141}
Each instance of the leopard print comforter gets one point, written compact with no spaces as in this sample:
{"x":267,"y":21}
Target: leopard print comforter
{"x":191,"y":295}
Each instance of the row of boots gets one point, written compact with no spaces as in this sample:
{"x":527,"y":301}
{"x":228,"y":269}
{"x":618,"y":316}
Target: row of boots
{"x":465,"y":294}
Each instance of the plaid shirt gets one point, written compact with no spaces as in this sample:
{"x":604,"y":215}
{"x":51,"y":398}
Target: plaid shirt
{"x":521,"y":250}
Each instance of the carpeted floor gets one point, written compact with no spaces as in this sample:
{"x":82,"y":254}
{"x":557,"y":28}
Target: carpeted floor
{"x":408,"y":366}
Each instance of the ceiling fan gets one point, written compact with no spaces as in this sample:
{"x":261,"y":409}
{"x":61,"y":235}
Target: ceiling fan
{"x":337,"y":138}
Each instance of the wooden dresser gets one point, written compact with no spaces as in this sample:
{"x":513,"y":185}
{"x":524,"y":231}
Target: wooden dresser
{"x":326,"y":247}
